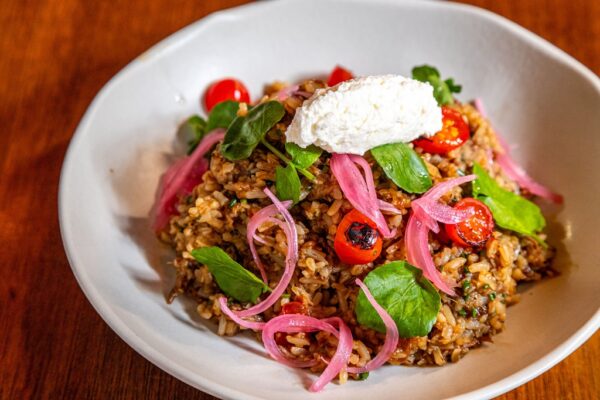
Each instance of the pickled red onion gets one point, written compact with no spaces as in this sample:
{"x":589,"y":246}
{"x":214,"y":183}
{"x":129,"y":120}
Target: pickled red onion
{"x":286,"y":92}
{"x":258,"y":219}
{"x":257,"y":326}
{"x":426,"y":214}
{"x":181,"y":178}
{"x":359,"y":189}
{"x":292,"y":323}
{"x":514,"y":171}
{"x":289,"y":228}
{"x":391,"y":335}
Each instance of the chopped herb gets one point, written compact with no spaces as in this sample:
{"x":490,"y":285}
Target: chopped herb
{"x":492,"y":296}
{"x":363,"y":376}
{"x":466,"y":296}
{"x":474,"y":313}
{"x":462,"y":312}
{"x":286,"y":295}
{"x":466,"y":285}
{"x":466,"y":270}
{"x":442,"y":90}
{"x":233,"y":202}
{"x":486,"y":286}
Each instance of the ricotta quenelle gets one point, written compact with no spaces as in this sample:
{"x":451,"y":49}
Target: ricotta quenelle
{"x":357,"y":115}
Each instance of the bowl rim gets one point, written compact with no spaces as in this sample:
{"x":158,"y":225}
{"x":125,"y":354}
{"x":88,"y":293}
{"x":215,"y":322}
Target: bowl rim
{"x":245,"y":11}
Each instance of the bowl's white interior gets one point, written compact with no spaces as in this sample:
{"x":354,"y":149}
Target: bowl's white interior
{"x":536,"y":96}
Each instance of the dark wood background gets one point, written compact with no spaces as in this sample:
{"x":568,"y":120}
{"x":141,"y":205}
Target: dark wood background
{"x":54,"y":57}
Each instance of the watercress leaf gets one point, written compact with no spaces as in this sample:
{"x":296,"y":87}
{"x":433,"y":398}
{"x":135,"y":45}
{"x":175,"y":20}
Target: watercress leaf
{"x":222,"y":115}
{"x":244,"y":133}
{"x":402,"y":290}
{"x":232,"y":278}
{"x":442,"y":90}
{"x":303,"y":157}
{"x":287,"y":183}
{"x":510,"y":210}
{"x":192,"y":131}
{"x":403,"y":166}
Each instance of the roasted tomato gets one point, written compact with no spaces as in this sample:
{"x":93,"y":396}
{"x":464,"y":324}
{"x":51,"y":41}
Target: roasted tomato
{"x":474,"y":231}
{"x":357,"y":240}
{"x":338,"y":75}
{"x":225,"y":89}
{"x":454,"y":133}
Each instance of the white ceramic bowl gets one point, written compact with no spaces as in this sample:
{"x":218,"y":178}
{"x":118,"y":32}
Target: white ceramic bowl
{"x":539,"y":97}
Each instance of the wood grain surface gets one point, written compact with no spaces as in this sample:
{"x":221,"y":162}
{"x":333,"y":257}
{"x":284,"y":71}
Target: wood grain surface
{"x":54,"y":57}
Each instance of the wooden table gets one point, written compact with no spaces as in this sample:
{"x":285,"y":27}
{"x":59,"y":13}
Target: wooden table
{"x":54,"y":57}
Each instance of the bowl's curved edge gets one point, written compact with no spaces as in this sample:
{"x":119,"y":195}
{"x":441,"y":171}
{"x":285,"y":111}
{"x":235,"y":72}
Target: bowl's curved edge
{"x":155,"y":357}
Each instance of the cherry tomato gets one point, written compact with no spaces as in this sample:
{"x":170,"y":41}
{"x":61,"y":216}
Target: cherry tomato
{"x":474,"y":231}
{"x":357,"y":240}
{"x":454,"y":133}
{"x":338,"y":75}
{"x":225,"y":89}
{"x":294,"y":307}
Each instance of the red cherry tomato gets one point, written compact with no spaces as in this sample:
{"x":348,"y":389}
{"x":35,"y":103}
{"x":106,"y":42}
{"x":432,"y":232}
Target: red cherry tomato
{"x":474,"y":231}
{"x":294,"y":307}
{"x":225,"y":89}
{"x":357,"y":240}
{"x":338,"y":75}
{"x":454,"y":133}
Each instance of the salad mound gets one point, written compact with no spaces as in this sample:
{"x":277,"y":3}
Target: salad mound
{"x":340,"y":263}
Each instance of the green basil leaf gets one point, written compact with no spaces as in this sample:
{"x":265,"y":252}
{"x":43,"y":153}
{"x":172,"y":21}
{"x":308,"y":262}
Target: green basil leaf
{"x":287,"y":183}
{"x":222,"y":115}
{"x":510,"y":210}
{"x":244,"y":133}
{"x":303,"y":157}
{"x":442,"y":90}
{"x":403,"y":166}
{"x":192,"y":131}
{"x":232,"y":278}
{"x":402,"y":290}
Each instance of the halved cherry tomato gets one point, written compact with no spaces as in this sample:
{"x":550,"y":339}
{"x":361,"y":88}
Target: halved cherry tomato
{"x":474,"y":231}
{"x":357,"y":240}
{"x":338,"y":75}
{"x":294,"y":307}
{"x":454,"y":133}
{"x":225,"y":89}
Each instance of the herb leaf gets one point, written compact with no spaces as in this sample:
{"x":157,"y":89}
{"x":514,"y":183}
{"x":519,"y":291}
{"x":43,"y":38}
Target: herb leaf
{"x":410,"y":299}
{"x":246,"y":132}
{"x":287,"y":183}
{"x":403,"y":166}
{"x":232,"y":278}
{"x":192,"y":131}
{"x":510,"y":210}
{"x":222,"y":115}
{"x":442,"y":90}
{"x":303,"y":157}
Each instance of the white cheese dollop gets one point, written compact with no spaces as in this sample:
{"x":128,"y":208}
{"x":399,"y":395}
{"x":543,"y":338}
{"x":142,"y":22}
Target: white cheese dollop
{"x":362,"y":113}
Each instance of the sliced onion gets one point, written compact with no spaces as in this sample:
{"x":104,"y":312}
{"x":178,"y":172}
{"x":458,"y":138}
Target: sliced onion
{"x":258,"y":219}
{"x":257,"y":326}
{"x":291,"y":258}
{"x":286,"y":92}
{"x":518,"y":174}
{"x":359,"y":189}
{"x":389,"y":208}
{"x":391,"y":335}
{"x":181,"y":178}
{"x":418,"y":254}
{"x":292,"y":323}
{"x":514,"y":171}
